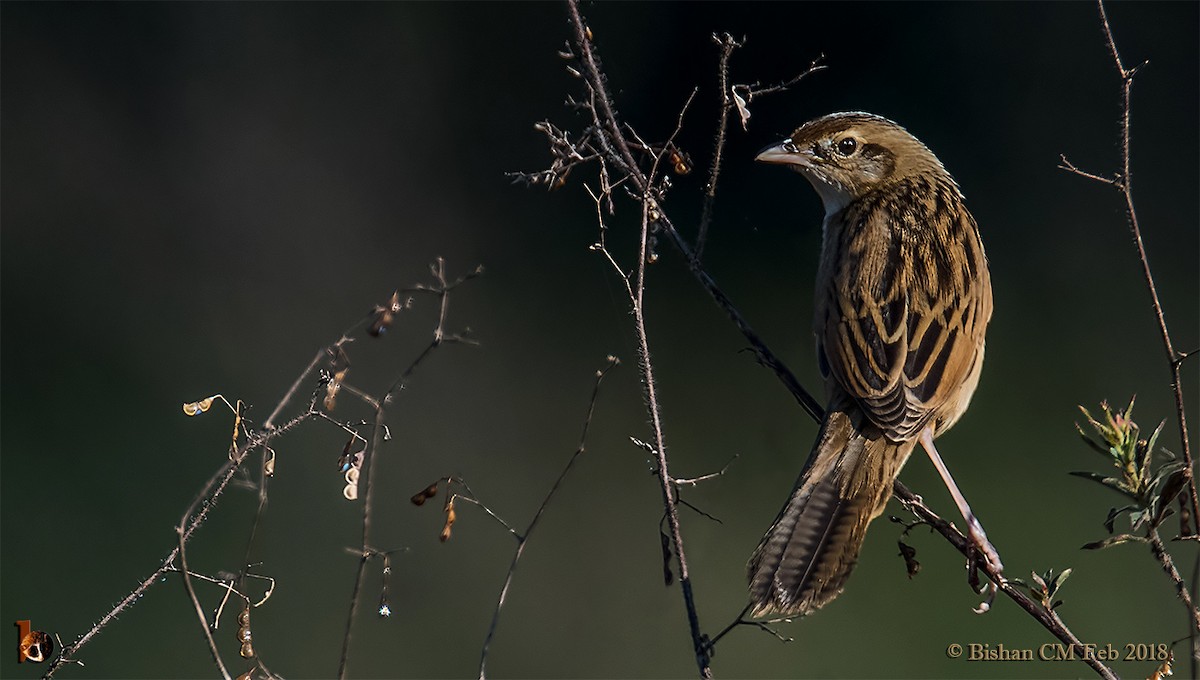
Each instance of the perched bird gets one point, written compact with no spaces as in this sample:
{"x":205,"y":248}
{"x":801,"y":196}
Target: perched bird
{"x":903,"y":298}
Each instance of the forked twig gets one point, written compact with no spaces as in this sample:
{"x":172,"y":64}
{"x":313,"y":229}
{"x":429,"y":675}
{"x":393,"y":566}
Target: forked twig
{"x":440,"y":288}
{"x":1123,"y":183}
{"x":523,"y":537}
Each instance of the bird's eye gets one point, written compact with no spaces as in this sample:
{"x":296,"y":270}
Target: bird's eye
{"x":847,"y":146}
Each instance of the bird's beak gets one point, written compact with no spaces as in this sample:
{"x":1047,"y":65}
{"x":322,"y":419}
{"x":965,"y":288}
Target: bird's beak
{"x":783,"y":153}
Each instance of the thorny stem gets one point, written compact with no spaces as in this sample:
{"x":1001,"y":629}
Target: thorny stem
{"x":191,"y":592}
{"x":1125,"y":185}
{"x":624,"y":157}
{"x":369,"y":455}
{"x":1168,"y":565}
{"x":727,"y":45}
{"x":523,"y":537}
{"x":206,"y":500}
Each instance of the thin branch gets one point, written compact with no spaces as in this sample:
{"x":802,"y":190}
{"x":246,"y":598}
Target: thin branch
{"x":191,"y":592}
{"x":523,"y":537}
{"x":312,"y":365}
{"x":613,"y":140}
{"x":761,"y":352}
{"x":755,"y":90}
{"x":213,"y":490}
{"x":442,"y":289}
{"x":1181,"y":589}
{"x":1048,"y":618}
{"x":1190,"y":519}
{"x":727,"y":45}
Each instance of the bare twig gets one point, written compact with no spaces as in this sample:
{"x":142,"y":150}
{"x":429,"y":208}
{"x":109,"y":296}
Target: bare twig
{"x":191,"y":591}
{"x":1123,"y":182}
{"x":727,"y":45}
{"x":523,"y":537}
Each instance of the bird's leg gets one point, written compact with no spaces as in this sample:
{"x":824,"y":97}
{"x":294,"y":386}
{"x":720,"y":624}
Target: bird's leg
{"x":974,"y":529}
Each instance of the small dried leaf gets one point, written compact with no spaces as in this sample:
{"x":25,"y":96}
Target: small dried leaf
{"x":909,"y":553}
{"x":742,"y":107}
{"x":668,"y":575}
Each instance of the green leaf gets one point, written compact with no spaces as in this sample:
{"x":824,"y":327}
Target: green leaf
{"x":1092,"y":443}
{"x":1111,"y":541}
{"x":1168,"y":482}
{"x":1114,"y":513}
{"x":1059,"y":580}
{"x":1111,"y":482}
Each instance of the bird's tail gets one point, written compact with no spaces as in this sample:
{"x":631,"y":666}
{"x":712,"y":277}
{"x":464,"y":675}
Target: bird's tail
{"x":803,"y":561}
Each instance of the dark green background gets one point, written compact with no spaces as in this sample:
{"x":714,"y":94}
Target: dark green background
{"x":198,"y":196}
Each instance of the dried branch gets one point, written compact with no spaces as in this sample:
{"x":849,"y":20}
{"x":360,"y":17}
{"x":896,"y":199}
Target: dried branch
{"x":618,"y":152}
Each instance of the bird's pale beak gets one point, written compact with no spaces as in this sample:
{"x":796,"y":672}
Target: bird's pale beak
{"x":784,"y":153}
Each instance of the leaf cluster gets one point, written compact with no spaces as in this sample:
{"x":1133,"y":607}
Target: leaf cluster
{"x":1150,"y":488}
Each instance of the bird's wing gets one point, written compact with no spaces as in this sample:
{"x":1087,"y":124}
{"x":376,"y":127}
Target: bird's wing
{"x":905,"y":335}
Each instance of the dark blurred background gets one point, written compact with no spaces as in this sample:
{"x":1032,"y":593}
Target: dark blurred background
{"x":196,"y":197}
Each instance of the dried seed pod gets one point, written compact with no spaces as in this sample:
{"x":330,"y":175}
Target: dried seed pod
{"x":450,"y":517}
{"x":350,"y":492}
{"x":333,"y":387}
{"x":247,"y":650}
{"x":384,"y":316}
{"x":195,"y":408}
{"x":425,"y":494}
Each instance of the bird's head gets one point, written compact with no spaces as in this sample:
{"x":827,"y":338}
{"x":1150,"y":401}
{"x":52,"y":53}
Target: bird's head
{"x":846,"y":155}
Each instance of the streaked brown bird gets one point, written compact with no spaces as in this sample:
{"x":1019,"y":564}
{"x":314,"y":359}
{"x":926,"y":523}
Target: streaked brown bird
{"x":903,"y":298}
